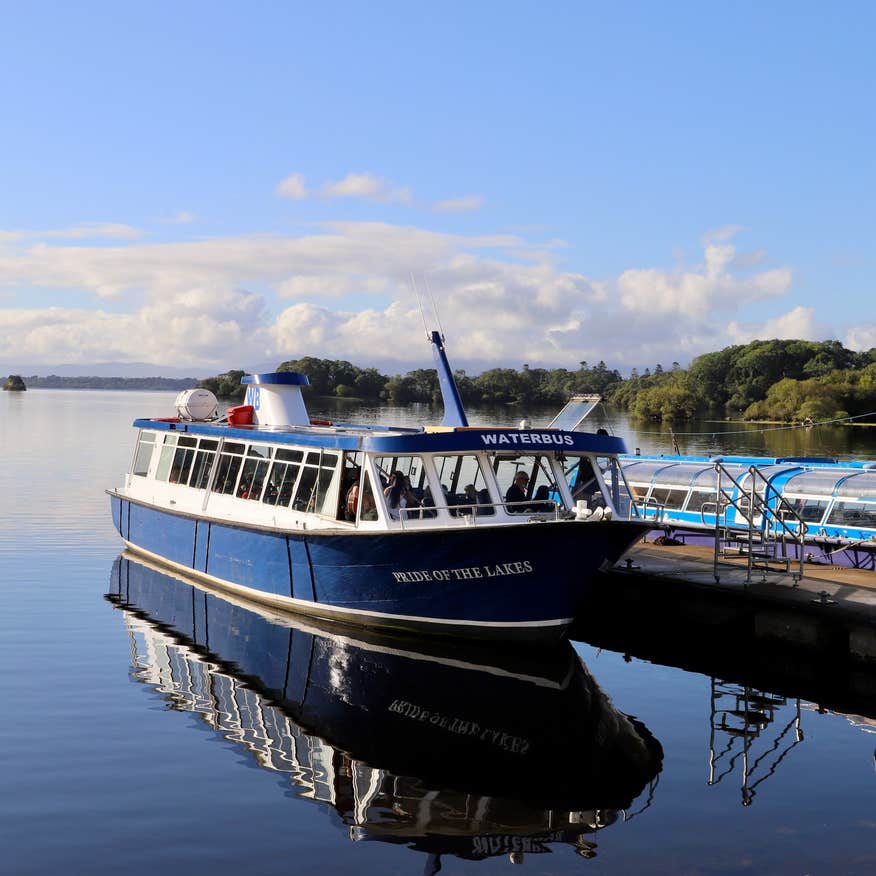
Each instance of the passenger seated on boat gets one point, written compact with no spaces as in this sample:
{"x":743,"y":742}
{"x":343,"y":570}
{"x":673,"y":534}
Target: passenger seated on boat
{"x":471,"y":494}
{"x":427,"y":505}
{"x":351,"y":503}
{"x":272,"y":491}
{"x":399,"y":496}
{"x":542,"y":500}
{"x":351,"y":497}
{"x":244,"y":488}
{"x":485,"y":508}
{"x":515,"y":496}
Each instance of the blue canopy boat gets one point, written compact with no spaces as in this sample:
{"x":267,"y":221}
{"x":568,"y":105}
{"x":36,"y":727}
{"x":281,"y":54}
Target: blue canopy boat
{"x":828,"y":505}
{"x":448,"y":529}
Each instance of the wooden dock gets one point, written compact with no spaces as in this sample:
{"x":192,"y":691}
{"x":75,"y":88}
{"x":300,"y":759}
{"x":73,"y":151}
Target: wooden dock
{"x":853,"y":588}
{"x":804,"y":610}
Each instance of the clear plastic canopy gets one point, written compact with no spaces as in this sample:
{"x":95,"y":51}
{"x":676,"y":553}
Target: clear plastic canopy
{"x":861,"y":486}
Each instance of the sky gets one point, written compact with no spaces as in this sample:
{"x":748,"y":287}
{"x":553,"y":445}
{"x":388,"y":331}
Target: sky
{"x":192,"y":187}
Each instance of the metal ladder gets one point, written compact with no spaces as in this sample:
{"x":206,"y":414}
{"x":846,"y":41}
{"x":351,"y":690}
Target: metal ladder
{"x":773,"y":526}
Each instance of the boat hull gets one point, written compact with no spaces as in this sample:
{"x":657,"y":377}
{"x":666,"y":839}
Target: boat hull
{"x":525,"y":581}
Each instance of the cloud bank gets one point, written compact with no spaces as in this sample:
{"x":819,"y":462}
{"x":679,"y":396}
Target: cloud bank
{"x":344,"y":291}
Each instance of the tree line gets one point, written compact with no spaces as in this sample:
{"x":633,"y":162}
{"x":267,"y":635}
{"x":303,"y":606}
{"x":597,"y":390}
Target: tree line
{"x":785,"y":380}
{"x":54,"y":381}
{"x":341,"y":379}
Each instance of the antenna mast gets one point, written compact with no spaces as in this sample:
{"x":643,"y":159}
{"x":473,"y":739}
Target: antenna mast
{"x":420,"y":304}
{"x":434,"y":305}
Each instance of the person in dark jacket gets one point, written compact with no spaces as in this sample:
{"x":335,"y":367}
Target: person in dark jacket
{"x":516,"y":493}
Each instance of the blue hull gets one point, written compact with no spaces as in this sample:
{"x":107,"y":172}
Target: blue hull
{"x":528,"y":580}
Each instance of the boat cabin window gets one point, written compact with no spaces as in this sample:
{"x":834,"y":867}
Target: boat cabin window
{"x":313,"y":492}
{"x":535,"y":492}
{"x":143,"y":455}
{"x":368,"y":510}
{"x":639,"y":491}
{"x":856,"y":514}
{"x":464,"y":485}
{"x":619,"y":489}
{"x":406,"y":488}
{"x":593,"y":481}
{"x":282,"y":477}
{"x":351,"y":477}
{"x":581,"y":478}
{"x":230,"y":462}
{"x":254,"y":472}
{"x":808,"y":509}
{"x":699,"y":498}
{"x":203,"y":464}
{"x":669,"y":497}
{"x":177,"y":456}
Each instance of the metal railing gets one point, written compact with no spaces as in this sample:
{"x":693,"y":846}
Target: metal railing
{"x":769,"y":518}
{"x":750,"y":504}
{"x":473,"y":513}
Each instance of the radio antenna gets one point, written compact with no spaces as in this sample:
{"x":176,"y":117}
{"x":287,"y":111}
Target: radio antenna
{"x":434,"y":306}
{"x":419,"y":304}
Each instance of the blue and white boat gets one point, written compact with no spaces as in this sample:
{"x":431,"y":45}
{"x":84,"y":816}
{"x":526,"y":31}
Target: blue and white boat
{"x":450,"y":529}
{"x":828,"y":505}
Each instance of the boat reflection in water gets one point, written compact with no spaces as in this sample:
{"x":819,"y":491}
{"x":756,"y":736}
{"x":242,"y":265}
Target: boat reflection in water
{"x":446,"y":750}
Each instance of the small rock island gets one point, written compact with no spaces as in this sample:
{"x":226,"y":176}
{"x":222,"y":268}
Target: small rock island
{"x":14,"y":384}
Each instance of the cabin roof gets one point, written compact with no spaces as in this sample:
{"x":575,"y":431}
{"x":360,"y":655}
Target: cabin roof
{"x":402,"y":440}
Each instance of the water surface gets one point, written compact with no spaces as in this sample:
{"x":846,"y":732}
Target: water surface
{"x":172,"y":731}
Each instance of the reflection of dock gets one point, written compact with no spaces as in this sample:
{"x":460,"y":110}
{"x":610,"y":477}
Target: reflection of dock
{"x":825,"y":596}
{"x":741,"y":718}
{"x":446,"y":751}
{"x":771,"y":665}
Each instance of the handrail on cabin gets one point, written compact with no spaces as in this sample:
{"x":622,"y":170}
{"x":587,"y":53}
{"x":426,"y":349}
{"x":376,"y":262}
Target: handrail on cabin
{"x":469,"y":511}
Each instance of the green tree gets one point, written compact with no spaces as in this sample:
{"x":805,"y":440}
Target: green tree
{"x":226,"y":386}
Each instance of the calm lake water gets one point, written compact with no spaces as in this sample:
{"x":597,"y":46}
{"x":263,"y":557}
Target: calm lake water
{"x":150,"y":726}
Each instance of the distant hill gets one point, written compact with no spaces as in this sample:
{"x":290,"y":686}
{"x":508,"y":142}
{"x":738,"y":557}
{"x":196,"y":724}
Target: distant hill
{"x":102,"y":369}
{"x":55,"y":381}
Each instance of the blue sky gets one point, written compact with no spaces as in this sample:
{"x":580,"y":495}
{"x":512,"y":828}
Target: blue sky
{"x":206,"y":186}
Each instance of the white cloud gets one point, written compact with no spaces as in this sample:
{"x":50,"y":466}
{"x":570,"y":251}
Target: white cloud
{"x":459,"y":205}
{"x":190,"y":329}
{"x":88,"y":230}
{"x":184,"y":217}
{"x":329,"y":286}
{"x":366,"y":185}
{"x":293,"y":187}
{"x":861,"y":337}
{"x":719,"y":235}
{"x":503,"y":300}
{"x":711,"y":286}
{"x":797,"y":323}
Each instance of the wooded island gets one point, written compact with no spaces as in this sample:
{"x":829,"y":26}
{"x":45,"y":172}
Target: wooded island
{"x":785,"y":380}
